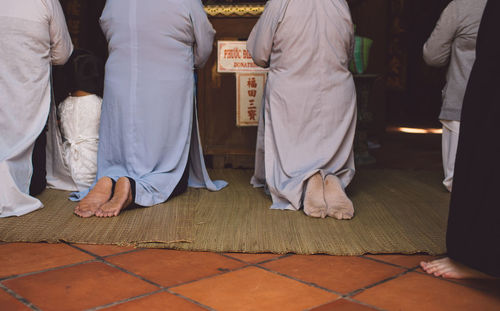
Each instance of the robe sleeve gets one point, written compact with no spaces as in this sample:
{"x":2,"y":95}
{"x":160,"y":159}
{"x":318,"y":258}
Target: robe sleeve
{"x":437,"y":49}
{"x":260,"y":41}
{"x":60,"y":40}
{"x":203,"y":34}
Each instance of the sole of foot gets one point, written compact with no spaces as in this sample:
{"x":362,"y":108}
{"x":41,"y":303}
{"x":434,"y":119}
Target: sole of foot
{"x":339,"y":206}
{"x":122,"y":198}
{"x":99,"y":195}
{"x":314,"y":201}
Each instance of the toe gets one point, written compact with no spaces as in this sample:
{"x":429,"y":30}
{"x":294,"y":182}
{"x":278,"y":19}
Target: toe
{"x":431,"y":270}
{"x":82,"y":213}
{"x":337,"y":215}
{"x":433,"y":264}
{"x":347,"y":216}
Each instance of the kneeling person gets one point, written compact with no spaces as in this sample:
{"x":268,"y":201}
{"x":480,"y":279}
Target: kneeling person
{"x":72,"y":147}
{"x":149,"y":148}
{"x":306,"y":132}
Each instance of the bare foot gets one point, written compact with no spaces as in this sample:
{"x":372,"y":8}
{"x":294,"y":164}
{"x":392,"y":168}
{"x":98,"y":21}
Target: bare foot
{"x":338,"y":204}
{"x":314,"y":201}
{"x":120,"y":200}
{"x":100,"y":194}
{"x":450,"y":269}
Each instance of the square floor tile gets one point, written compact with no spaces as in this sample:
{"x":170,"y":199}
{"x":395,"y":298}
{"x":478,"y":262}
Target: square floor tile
{"x":7,"y":302}
{"x":253,"y":288}
{"x":253,"y":258}
{"x":487,"y":285}
{"x":343,"y":305}
{"x":415,"y":291}
{"x":341,"y":274}
{"x":104,"y":250}
{"x":168,"y":267}
{"x":20,"y":258}
{"x":160,"y":301}
{"x":407,"y":261}
{"x":79,"y":287}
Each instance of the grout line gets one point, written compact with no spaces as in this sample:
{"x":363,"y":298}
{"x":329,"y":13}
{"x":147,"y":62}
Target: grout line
{"x":190,"y":300}
{"x":129,"y":272}
{"x":15,"y":276}
{"x":326,"y":303}
{"x":348,"y":299}
{"x":19,"y":298}
{"x":229,"y":257}
{"x":360,"y":290}
{"x":208,"y":277}
{"x":99,"y":256}
{"x":385,"y":262}
{"x":364,"y":304}
{"x":162,"y":290}
{"x":124,"y":253}
{"x":301,"y":281}
{"x":125,"y":300}
{"x":257,"y":263}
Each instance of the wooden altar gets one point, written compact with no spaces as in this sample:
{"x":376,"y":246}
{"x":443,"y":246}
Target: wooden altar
{"x":224,"y":143}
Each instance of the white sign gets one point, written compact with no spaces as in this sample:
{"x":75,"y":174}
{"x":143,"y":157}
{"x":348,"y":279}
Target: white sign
{"x":233,"y":56}
{"x":249,"y":93}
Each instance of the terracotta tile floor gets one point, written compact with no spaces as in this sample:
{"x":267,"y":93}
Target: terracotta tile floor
{"x":95,"y":277}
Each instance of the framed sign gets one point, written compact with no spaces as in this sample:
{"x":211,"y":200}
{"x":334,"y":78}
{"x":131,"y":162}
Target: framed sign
{"x":233,"y":56}
{"x":249,"y":93}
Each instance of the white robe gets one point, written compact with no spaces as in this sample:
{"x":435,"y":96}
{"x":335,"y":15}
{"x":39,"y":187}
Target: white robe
{"x":148,"y":123}
{"x":72,"y":147}
{"x":309,"y":116}
{"x":33,"y":35}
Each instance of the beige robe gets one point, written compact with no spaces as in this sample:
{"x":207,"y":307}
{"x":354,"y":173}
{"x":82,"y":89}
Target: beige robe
{"x":309,"y":116}
{"x":33,"y":36}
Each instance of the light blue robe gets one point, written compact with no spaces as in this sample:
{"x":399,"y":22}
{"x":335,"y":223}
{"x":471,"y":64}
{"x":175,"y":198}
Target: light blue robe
{"x":148,"y":125}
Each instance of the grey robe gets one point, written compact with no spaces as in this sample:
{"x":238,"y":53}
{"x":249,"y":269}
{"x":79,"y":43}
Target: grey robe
{"x":309,"y":116}
{"x":148,"y":123}
{"x":33,"y":35}
{"x":453,"y":43}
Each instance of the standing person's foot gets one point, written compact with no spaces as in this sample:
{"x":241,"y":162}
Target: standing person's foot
{"x":314,"y":201}
{"x":451,"y":269}
{"x":120,"y":200}
{"x":338,"y":204}
{"x":99,"y":195}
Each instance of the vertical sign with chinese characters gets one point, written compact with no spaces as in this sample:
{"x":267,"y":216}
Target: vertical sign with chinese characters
{"x":233,"y":57}
{"x":249,"y":92}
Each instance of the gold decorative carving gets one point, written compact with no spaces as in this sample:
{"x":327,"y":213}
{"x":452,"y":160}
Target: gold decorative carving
{"x":234,"y":10}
